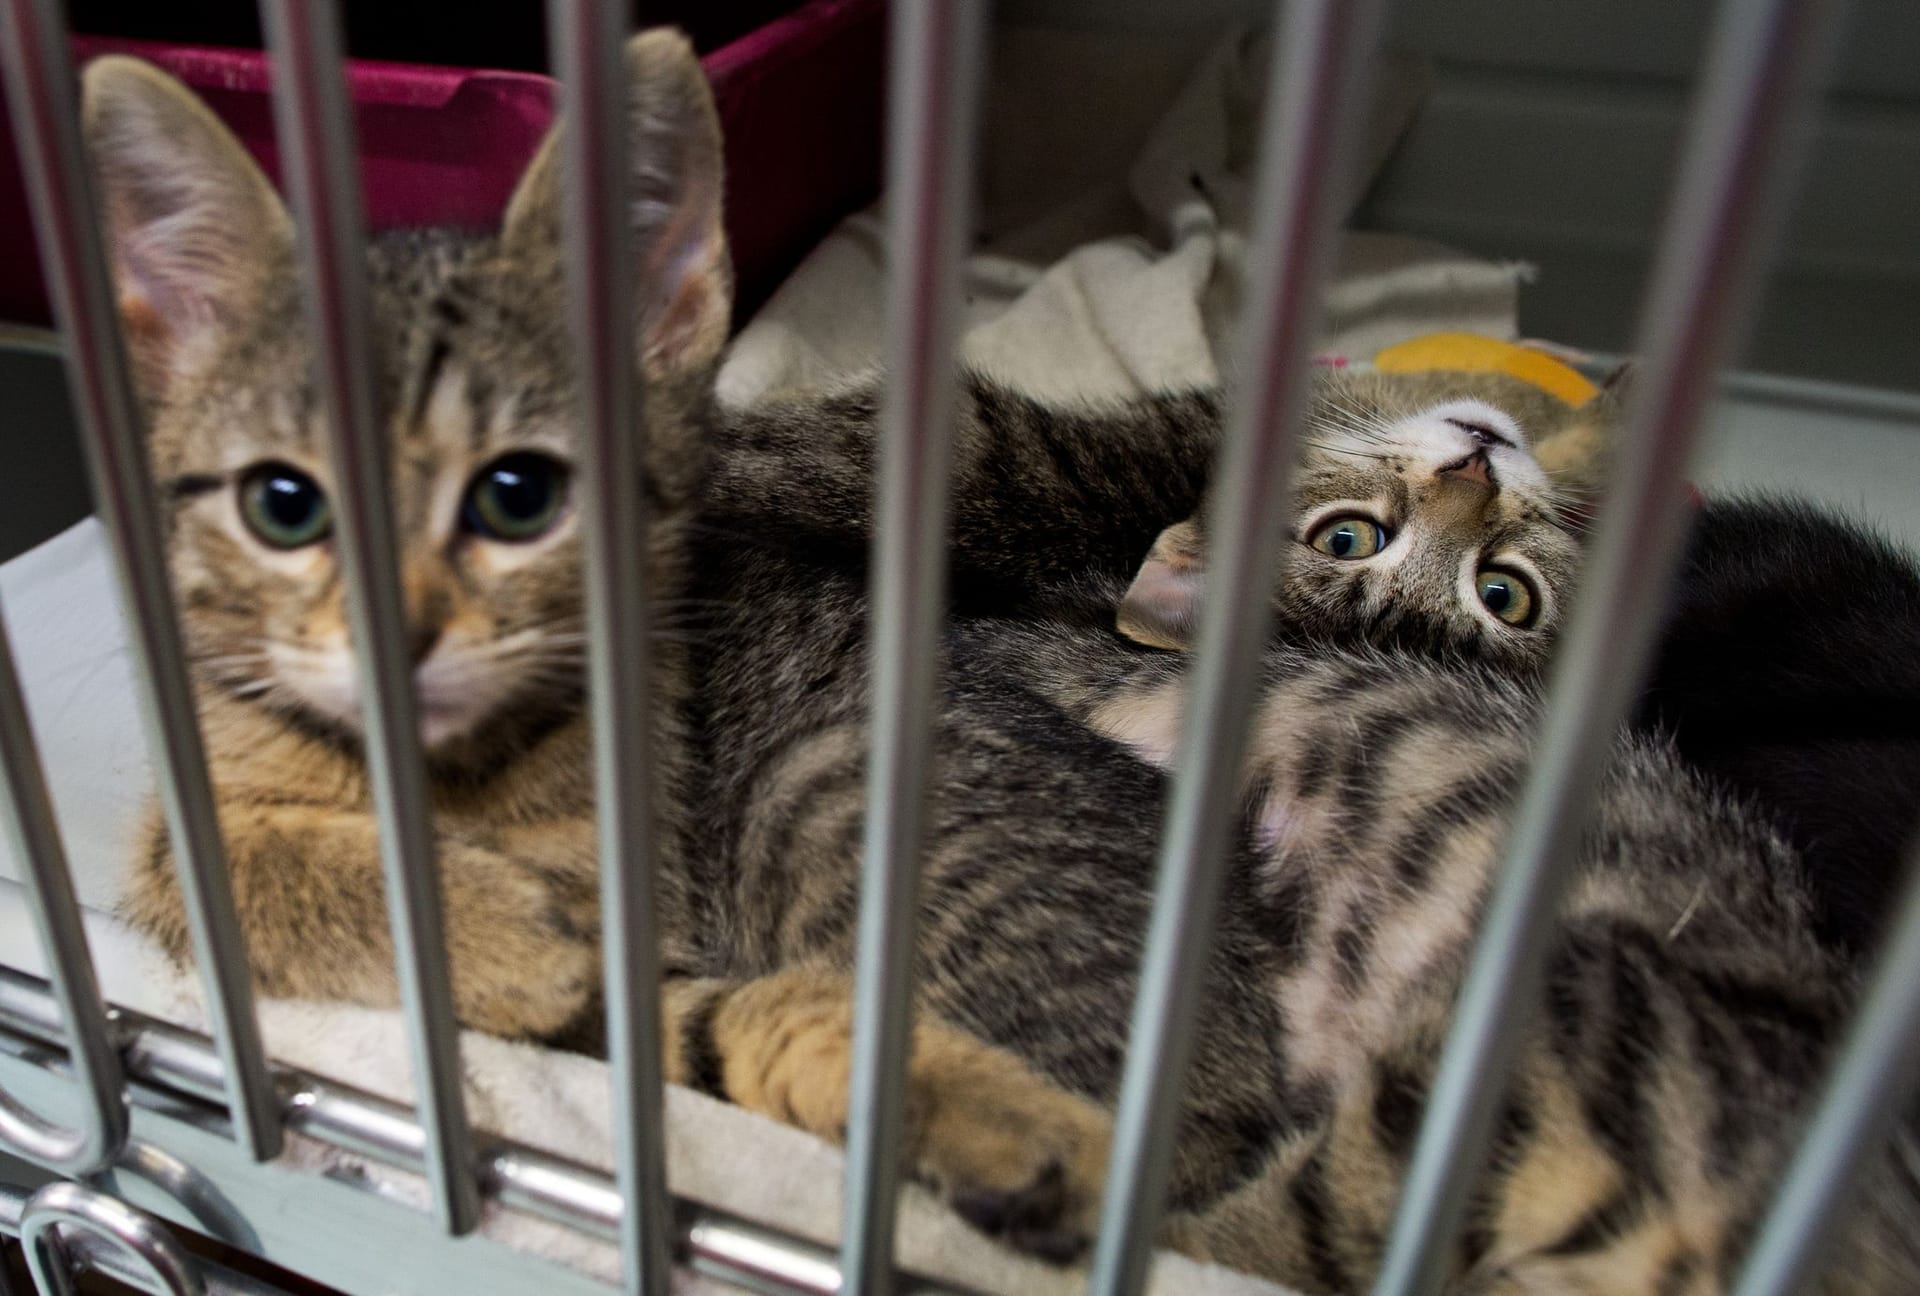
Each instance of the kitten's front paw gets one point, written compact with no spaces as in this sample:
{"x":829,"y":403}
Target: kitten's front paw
{"x":529,"y":985}
{"x":1019,"y":1159}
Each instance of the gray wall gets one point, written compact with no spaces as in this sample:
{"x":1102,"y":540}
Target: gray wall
{"x":1550,"y":137}
{"x":43,"y":486}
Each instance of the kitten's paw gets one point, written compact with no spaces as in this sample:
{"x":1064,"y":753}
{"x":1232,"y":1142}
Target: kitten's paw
{"x":1028,"y":1219}
{"x":527,"y":986}
{"x":1019,"y":1159}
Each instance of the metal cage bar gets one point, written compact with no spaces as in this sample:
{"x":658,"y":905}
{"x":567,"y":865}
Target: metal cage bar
{"x":1315,"y":83}
{"x":42,"y":95}
{"x":587,"y":38}
{"x":1873,"y":1077}
{"x":1756,"y":91}
{"x":315,"y":128}
{"x":35,"y":837}
{"x":173,"y":1065}
{"x":933,"y":96}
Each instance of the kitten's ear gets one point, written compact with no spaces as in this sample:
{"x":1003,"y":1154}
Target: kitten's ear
{"x":1162,"y":606}
{"x":1577,"y":454}
{"x":1617,"y":384}
{"x":674,"y":181}
{"x":194,"y":229}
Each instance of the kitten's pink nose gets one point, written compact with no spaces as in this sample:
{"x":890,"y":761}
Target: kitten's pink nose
{"x":1475,"y":468}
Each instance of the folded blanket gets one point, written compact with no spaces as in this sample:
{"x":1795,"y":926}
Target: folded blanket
{"x":1125,"y":288}
{"x":1115,"y":293}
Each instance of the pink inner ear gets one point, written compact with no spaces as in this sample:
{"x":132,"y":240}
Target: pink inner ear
{"x":1162,"y":606}
{"x":156,"y":311}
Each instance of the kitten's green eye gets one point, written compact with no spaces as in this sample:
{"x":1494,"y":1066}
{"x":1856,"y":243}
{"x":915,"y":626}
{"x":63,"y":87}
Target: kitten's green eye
{"x":1349,"y":537}
{"x":1506,"y":595}
{"x":517,"y":497}
{"x":284,"y":507}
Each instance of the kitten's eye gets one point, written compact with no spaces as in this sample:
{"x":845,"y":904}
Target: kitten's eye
{"x":284,"y":507}
{"x":1349,"y":537}
{"x":517,"y":497}
{"x":1506,"y":595}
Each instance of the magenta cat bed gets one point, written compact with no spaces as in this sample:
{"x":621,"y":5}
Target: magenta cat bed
{"x":800,"y":105}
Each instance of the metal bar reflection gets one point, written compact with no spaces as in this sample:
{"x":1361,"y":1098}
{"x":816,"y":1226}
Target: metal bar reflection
{"x":41,"y":93}
{"x":587,"y":38}
{"x":135,"y":1238}
{"x":35,"y":840}
{"x":933,"y":95}
{"x":1756,"y":90}
{"x":178,"y":1073}
{"x":1316,"y":81}
{"x":1872,"y":1081}
{"x":315,"y":130}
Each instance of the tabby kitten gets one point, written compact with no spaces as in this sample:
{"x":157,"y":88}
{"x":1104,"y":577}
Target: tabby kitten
{"x":1688,"y":1004}
{"x":473,"y":362}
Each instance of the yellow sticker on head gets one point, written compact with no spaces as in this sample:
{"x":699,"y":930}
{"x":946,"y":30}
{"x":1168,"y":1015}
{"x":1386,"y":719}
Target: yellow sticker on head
{"x":1474,"y":353}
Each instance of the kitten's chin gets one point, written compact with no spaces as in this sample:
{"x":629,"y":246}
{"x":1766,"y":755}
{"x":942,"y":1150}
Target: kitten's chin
{"x":443,"y":726}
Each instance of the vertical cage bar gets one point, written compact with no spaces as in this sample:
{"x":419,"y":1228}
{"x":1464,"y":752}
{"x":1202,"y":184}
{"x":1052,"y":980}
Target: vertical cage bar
{"x":314,"y":125}
{"x":1756,"y":94}
{"x":587,"y":38}
{"x":35,"y":838}
{"x":1872,"y":1079}
{"x":933,"y":96}
{"x":42,"y":95}
{"x":1316,"y":81}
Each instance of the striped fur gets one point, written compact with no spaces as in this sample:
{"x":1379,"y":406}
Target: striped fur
{"x":1684,"y":1021}
{"x":1688,"y":1007}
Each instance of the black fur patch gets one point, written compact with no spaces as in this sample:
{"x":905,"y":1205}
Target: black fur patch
{"x":705,"y":1069}
{"x":1313,"y":1204}
{"x":1399,"y":1097}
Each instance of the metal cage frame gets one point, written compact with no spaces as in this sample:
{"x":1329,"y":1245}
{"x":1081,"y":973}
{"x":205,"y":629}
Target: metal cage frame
{"x":198,"y":1114}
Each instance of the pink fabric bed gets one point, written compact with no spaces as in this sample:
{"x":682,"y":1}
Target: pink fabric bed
{"x":800,"y":103}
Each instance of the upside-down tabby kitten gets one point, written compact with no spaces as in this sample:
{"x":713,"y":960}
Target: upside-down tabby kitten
{"x":1689,"y":1004}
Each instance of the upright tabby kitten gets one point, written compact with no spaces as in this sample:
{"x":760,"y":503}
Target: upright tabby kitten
{"x":473,"y":362}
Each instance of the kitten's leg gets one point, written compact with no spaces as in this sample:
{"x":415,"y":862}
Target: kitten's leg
{"x":1555,"y":1211}
{"x":522,"y":937}
{"x":1018,"y":1157}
